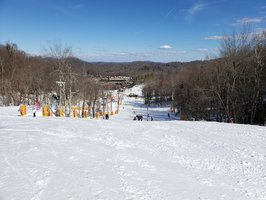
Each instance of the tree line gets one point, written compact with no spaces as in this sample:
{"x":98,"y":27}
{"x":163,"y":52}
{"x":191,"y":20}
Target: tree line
{"x":231,"y":88}
{"x":27,"y":79}
{"x":59,"y":77}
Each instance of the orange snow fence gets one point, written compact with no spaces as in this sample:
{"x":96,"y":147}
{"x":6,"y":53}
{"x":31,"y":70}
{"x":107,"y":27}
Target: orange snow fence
{"x":60,"y":112}
{"x":85,"y":111}
{"x":75,"y":111}
{"x":97,"y":115}
{"x":23,"y":110}
{"x":80,"y":111}
{"x":50,"y":113}
{"x":46,"y":112}
{"x":184,"y":117}
{"x":86,"y":114}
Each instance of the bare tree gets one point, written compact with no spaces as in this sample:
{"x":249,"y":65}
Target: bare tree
{"x":258,"y":72}
{"x":65,"y":74}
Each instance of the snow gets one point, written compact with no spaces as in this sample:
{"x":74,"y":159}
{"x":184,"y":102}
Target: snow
{"x":118,"y":159}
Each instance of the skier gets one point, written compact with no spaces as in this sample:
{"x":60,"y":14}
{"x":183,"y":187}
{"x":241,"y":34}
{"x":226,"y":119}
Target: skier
{"x":34,"y":112}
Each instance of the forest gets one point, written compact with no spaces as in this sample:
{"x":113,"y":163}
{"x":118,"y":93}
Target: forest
{"x":230,"y":88}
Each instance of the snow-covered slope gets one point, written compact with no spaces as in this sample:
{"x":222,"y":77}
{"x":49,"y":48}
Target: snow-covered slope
{"x":117,"y":159}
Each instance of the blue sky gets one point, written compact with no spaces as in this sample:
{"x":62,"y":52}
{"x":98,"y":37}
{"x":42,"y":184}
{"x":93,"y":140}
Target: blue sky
{"x":128,"y":30}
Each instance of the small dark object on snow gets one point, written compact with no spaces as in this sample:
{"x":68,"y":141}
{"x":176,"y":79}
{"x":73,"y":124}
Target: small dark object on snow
{"x":133,"y":95}
{"x":139,"y":117}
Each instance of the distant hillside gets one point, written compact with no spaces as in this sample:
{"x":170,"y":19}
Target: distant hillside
{"x":132,"y":68}
{"x":137,"y":69}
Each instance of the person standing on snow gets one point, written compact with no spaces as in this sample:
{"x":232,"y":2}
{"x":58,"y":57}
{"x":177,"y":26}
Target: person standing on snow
{"x":34,"y":112}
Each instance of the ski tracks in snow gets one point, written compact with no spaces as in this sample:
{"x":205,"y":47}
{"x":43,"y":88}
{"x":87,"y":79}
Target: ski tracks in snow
{"x":52,"y":158}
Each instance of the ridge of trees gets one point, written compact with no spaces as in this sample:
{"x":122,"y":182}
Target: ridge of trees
{"x":23,"y":75}
{"x":232,"y":88}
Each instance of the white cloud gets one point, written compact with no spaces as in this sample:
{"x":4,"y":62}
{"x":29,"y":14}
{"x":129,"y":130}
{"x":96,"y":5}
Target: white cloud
{"x":181,"y":52}
{"x":261,"y":9}
{"x":166,"y":55}
{"x":202,"y":50}
{"x":199,"y":6}
{"x":196,"y":8}
{"x":215,"y":37}
{"x":258,"y":32}
{"x":166,"y":46}
{"x":193,"y":10}
{"x":169,"y":13}
{"x":247,"y":20}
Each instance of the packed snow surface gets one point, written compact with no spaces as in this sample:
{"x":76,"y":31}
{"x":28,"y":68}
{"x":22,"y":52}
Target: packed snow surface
{"x":118,"y":159}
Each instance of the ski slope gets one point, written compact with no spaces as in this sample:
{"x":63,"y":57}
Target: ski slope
{"x":118,"y":159}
